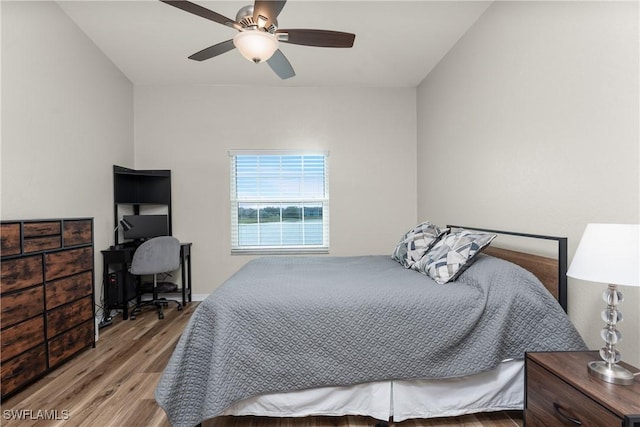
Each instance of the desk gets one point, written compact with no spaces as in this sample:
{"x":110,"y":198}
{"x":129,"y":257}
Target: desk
{"x":121,"y":256}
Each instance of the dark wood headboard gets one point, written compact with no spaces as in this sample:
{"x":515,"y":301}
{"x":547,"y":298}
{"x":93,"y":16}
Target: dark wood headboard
{"x":552,"y":272}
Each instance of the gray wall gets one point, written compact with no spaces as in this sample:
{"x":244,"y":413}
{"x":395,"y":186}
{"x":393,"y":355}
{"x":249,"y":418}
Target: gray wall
{"x":67,"y":117}
{"x":370,"y":135}
{"x":531,"y":124}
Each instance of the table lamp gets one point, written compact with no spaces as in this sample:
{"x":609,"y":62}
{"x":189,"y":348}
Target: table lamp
{"x":608,"y":253}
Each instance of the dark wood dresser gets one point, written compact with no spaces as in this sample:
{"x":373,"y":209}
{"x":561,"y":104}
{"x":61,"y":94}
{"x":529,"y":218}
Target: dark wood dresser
{"x":47,"y":301}
{"x":561,"y":392}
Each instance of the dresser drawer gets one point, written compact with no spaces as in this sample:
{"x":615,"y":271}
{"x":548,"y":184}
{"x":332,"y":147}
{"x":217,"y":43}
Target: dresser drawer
{"x":40,"y":236}
{"x":21,"y":337}
{"x":41,"y":229}
{"x":66,"y":263}
{"x":20,"y":273}
{"x":66,"y":345}
{"x":68,"y":316}
{"x":21,"y":305}
{"x":22,"y":369}
{"x":68,"y":289}
{"x":77,"y":232}
{"x":553,"y":402}
{"x":10,"y":236}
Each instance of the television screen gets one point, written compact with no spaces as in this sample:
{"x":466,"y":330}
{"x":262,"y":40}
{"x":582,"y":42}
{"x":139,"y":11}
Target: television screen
{"x":137,"y":227}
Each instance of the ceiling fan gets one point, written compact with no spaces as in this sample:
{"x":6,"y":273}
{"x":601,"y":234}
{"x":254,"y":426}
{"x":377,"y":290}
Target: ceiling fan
{"x":258,"y":34}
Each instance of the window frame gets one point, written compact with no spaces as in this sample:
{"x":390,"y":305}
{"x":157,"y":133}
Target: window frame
{"x":235,"y":201}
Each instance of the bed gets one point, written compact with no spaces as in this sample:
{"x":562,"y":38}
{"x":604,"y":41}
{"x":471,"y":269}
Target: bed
{"x":298,"y":336}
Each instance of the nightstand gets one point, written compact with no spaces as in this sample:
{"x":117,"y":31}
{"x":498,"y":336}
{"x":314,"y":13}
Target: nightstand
{"x":560,"y":392}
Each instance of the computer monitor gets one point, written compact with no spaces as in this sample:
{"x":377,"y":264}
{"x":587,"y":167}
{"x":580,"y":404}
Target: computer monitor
{"x":142,"y":227}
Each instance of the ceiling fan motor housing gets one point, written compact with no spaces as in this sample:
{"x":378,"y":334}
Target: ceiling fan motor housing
{"x":246,"y":19}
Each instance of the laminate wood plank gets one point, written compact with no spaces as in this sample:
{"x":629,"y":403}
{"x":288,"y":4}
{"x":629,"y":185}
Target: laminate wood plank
{"x":112,"y":385}
{"x":137,"y":388}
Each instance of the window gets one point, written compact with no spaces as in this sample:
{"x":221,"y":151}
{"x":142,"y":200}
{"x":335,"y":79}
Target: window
{"x":279,"y":201}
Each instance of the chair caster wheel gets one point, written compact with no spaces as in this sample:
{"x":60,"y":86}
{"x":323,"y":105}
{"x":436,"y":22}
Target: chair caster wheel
{"x":132,"y":317}
{"x":179,"y":308}
{"x":161,"y":316}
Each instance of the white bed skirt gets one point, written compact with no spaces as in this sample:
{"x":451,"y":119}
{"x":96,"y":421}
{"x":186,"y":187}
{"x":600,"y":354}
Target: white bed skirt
{"x":496,"y":390}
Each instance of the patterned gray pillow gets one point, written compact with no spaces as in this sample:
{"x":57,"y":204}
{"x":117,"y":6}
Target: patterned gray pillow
{"x":453,"y":254}
{"x":416,"y":243}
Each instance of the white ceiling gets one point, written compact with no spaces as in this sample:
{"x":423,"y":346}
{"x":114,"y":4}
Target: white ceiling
{"x":397,"y":42}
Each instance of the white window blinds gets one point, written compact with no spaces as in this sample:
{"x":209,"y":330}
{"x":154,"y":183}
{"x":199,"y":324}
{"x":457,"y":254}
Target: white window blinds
{"x":279,"y":201}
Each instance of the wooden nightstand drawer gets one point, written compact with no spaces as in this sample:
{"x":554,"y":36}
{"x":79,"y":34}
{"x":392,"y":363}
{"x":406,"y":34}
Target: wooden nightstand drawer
{"x":561,"y":392}
{"x":554,"y":402}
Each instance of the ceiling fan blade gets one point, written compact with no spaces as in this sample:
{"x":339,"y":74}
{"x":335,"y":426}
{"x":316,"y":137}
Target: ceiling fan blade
{"x":281,"y":65}
{"x":269,"y":9}
{"x":318,"y":38}
{"x":215,"y":50}
{"x":203,"y":12}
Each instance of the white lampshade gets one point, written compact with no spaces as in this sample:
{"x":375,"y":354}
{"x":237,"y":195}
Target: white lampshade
{"x":608,"y":253}
{"x":256,"y":45}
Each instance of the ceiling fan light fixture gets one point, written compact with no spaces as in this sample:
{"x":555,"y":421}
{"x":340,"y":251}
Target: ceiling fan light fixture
{"x":255,"y":45}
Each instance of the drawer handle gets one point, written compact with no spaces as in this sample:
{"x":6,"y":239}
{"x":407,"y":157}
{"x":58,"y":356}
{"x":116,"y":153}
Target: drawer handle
{"x":560,"y":410}
{"x":15,"y":373}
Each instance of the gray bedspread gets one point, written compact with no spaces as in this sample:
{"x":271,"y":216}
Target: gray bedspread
{"x":291,"y":323}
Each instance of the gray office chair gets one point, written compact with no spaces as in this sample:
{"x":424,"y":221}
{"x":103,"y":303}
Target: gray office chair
{"x":153,"y":257}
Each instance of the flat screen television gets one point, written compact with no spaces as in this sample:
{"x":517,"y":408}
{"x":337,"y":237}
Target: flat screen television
{"x":142,"y":227}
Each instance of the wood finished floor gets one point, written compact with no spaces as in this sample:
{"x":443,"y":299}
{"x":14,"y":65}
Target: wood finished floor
{"x":112,"y":386}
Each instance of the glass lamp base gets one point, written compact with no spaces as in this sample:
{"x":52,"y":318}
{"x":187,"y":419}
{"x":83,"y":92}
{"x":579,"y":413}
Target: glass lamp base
{"x":613,"y":373}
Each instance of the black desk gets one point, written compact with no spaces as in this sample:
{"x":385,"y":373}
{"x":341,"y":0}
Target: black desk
{"x":121,"y":256}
